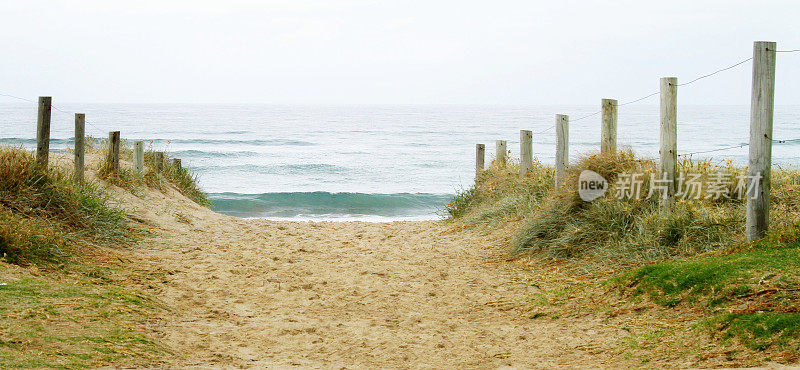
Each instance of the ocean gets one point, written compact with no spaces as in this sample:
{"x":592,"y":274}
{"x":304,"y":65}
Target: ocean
{"x":372,"y":162}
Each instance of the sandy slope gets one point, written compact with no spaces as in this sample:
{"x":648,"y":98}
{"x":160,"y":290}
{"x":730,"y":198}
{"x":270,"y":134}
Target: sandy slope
{"x":257,"y":293}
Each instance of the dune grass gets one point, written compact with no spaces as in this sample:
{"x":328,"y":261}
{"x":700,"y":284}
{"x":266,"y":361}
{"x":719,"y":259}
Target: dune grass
{"x":44,"y":212}
{"x":183,"y":179}
{"x":501,"y":195}
{"x":556,"y":223}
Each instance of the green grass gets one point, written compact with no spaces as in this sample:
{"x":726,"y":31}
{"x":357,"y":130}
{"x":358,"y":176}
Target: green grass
{"x":24,"y":240}
{"x":757,"y":290}
{"x":629,"y":229}
{"x":716,"y":280}
{"x":185,"y":181}
{"x":760,"y":330}
{"x":74,"y":323}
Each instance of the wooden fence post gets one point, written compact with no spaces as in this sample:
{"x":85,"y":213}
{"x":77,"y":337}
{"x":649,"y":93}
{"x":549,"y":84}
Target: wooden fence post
{"x":759,"y":169}
{"x":480,"y":157}
{"x":500,"y":153}
{"x":159,"y":158}
{"x":608,"y":133}
{"x":176,"y":162}
{"x":668,"y":165}
{"x":138,"y":156}
{"x":113,"y":150}
{"x":525,"y":152}
{"x":80,"y":141}
{"x":562,"y":148}
{"x":43,"y":131}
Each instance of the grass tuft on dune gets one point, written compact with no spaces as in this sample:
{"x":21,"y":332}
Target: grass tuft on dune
{"x":183,"y":179}
{"x":43,"y":211}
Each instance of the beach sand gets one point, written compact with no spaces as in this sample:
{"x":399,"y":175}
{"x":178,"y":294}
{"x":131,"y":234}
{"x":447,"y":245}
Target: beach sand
{"x":256,"y":293}
{"x":246,"y":292}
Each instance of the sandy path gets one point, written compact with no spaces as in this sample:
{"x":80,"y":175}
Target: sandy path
{"x":257,"y":293}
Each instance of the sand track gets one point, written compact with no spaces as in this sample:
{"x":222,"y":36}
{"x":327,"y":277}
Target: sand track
{"x":254,"y":293}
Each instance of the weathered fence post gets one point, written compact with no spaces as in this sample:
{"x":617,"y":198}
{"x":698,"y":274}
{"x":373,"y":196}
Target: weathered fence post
{"x":500,"y":153}
{"x":138,"y":156}
{"x":480,"y":157}
{"x":525,"y":152}
{"x":80,"y":141}
{"x":159,"y":158}
{"x":43,"y":131}
{"x":113,"y":150}
{"x":759,"y":169}
{"x":668,"y":165}
{"x":608,"y":133}
{"x":562,"y":148}
{"x":176,"y":162}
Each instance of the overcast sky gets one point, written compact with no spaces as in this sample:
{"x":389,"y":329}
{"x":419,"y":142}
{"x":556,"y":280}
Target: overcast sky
{"x":393,"y":52}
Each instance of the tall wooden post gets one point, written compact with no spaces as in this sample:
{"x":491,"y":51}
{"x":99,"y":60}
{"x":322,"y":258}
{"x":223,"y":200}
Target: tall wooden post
{"x":80,"y":144}
{"x":525,"y":152}
{"x":668,"y":165}
{"x":113,"y":150}
{"x":608,"y":132}
{"x":562,"y":148}
{"x":159,"y":158}
{"x":138,"y":156}
{"x":480,"y":158}
{"x":500,"y":153}
{"x":43,"y":131}
{"x":759,"y":169}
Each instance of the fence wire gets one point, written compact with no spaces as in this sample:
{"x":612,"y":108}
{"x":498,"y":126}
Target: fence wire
{"x":685,"y":84}
{"x":777,"y":141}
{"x":57,"y":109}
{"x":635,"y":100}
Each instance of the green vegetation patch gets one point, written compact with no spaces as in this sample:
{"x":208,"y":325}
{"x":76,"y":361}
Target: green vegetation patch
{"x":70,"y":313}
{"x":715,"y":280}
{"x":76,"y":323}
{"x":759,"y":330}
{"x":752,"y":295}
